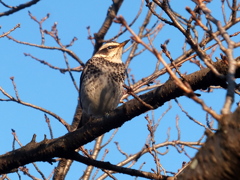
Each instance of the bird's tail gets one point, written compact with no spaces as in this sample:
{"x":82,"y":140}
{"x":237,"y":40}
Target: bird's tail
{"x":84,"y":119}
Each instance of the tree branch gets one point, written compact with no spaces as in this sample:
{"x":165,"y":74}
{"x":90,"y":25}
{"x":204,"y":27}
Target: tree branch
{"x":58,"y":147}
{"x":18,"y":8}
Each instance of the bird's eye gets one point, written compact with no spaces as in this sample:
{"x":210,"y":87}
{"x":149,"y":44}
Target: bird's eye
{"x":111,"y":47}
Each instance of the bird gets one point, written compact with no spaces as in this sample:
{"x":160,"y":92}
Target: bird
{"x":101,"y":82}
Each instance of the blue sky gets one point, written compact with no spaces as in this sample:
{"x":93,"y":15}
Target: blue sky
{"x":39,"y":85}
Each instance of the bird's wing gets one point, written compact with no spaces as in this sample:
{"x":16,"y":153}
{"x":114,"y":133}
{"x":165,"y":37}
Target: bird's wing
{"x":81,"y":80}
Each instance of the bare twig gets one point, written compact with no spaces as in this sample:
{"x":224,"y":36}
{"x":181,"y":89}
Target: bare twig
{"x":40,"y":25}
{"x":70,"y":73}
{"x":120,"y":150}
{"x":11,"y":30}
{"x":49,"y":125}
{"x":76,"y":69}
{"x":35,"y":107}
{"x":130,"y":91}
{"x":15,"y":88}
{"x":110,"y":139}
{"x":133,"y":21}
{"x":69,"y":52}
{"x":190,"y":117}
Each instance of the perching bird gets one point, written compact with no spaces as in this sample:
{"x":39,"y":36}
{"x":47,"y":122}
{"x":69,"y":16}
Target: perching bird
{"x":101,"y":82}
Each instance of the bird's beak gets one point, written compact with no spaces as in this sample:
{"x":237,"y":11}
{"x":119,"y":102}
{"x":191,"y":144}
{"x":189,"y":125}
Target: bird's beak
{"x":124,"y":43}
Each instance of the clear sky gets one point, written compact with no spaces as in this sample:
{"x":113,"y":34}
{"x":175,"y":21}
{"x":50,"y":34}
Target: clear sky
{"x":39,"y":85}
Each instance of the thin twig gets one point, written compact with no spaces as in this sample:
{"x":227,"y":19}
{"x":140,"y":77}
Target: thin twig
{"x":35,"y":107}
{"x":130,"y":91}
{"x":49,"y":125}
{"x":11,"y":30}
{"x":71,"y":53}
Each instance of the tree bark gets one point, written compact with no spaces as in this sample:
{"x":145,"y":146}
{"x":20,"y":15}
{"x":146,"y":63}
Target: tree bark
{"x":219,"y":158}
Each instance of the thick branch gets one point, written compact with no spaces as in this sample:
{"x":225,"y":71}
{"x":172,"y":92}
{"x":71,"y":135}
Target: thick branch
{"x":107,"y":165}
{"x":58,"y":147}
{"x":18,"y":8}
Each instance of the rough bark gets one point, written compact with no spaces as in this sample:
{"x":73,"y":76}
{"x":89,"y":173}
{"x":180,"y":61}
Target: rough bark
{"x":219,"y":158}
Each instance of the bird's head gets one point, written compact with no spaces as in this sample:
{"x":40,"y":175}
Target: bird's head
{"x":111,"y":51}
